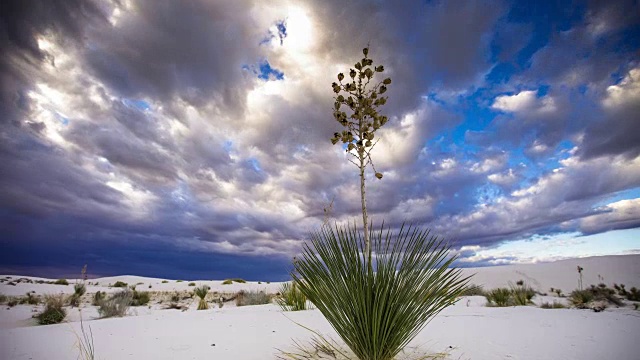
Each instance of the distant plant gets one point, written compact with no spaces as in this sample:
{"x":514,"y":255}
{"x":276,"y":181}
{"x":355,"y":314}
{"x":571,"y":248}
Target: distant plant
{"x":605,"y":294}
{"x":620,"y":289}
{"x":473,"y":290}
{"x":179,"y":281}
{"x":120,"y":284}
{"x":558,"y":292}
{"x":554,"y":305}
{"x":150,"y":286}
{"x":97,"y":298}
{"x":116,"y":305}
{"x":192,"y":284}
{"x":580,"y":277}
{"x":201,"y":292}
{"x":633,"y":294}
{"x":165,"y":281}
{"x":29,"y":299}
{"x":291,"y":298}
{"x":12,"y":303}
{"x":227,"y":282}
{"x":3,"y":298}
{"x":245,"y":298}
{"x":53,"y":312}
{"x":61,"y":282}
{"x":580,"y":298}
{"x":499,"y":297}
{"x":78,"y":290}
{"x":140,"y":298}
{"x":175,"y":297}
{"x":522,"y":294}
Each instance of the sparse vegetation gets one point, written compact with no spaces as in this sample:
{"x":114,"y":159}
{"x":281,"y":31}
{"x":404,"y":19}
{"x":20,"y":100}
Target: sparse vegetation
{"x":580,"y":298}
{"x":227,"y":282}
{"x":61,"y":282}
{"x":201,"y":292}
{"x":499,"y":297}
{"x":246,"y":298}
{"x":116,"y":305}
{"x":85,"y":343}
{"x":231,"y":281}
{"x":633,"y":294}
{"x":97,"y":298}
{"x":140,"y":298}
{"x":31,"y":299}
{"x":165,"y":281}
{"x":473,"y":290}
{"x":120,"y":284}
{"x":522,"y":294}
{"x":179,"y":281}
{"x":192,"y":284}
{"x":291,"y":298}
{"x":554,"y":305}
{"x":3,"y":298}
{"x":78,"y":290}
{"x":53,"y":312}
{"x":12,"y":303}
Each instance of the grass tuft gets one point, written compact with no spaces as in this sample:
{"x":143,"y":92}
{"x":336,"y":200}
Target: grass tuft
{"x":246,"y":298}
{"x":202,"y":292}
{"x":53,"y":312}
{"x":473,"y":290}
{"x":116,"y":305}
{"x":554,"y":305}
{"x":499,"y":297}
{"x":61,"y":282}
{"x":291,"y":298}
{"x":120,"y":284}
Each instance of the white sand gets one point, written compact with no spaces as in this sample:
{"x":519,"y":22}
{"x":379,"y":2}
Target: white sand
{"x":472,"y":330}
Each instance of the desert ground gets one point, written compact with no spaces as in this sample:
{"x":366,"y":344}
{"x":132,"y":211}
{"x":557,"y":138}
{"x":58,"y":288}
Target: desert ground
{"x":468,"y":329}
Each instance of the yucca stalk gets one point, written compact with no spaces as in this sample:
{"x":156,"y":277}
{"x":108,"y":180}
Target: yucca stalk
{"x":378,"y":309}
{"x":201,"y":292}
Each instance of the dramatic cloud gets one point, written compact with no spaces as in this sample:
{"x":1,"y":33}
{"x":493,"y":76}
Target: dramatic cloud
{"x":166,"y":138}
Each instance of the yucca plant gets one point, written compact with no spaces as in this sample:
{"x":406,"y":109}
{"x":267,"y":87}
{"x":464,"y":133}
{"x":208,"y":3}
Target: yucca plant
{"x":500,"y":297}
{"x":201,"y":292}
{"x":377,"y":306}
{"x":291,"y":298}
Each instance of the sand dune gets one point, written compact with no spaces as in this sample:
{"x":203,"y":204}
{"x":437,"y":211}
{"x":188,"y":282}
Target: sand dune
{"x":467,"y":330}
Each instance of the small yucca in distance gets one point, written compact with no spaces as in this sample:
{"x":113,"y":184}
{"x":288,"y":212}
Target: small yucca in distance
{"x":202,"y":292}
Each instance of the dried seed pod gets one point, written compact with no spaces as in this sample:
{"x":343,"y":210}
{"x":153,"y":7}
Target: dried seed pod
{"x":340,"y":76}
{"x":379,"y":175}
{"x":365,"y":51}
{"x":386,"y":81}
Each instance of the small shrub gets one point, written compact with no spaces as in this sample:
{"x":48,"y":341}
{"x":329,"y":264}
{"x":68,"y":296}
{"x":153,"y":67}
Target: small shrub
{"x":150,"y":286}
{"x":554,"y":305}
{"x":78,"y":290}
{"x":201,"y":292}
{"x":500,"y":297}
{"x":227,"y":282}
{"x":32,"y":299}
{"x":522,"y":294}
{"x":97,"y":298}
{"x":178,"y":280}
{"x":473,"y":290}
{"x":291,"y":298}
{"x":580,"y":298}
{"x":620,"y":289}
{"x":165,"y":281}
{"x":12,"y":303}
{"x":3,"y":298}
{"x":120,"y":284}
{"x":192,"y":284}
{"x":175,"y":297}
{"x":116,"y":305}
{"x":61,"y":282}
{"x":252,"y":298}
{"x":558,"y":292}
{"x":53,"y":312}
{"x":140,"y":298}
{"x":633,"y":294}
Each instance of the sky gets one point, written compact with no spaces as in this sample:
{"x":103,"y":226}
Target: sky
{"x":192,"y":139}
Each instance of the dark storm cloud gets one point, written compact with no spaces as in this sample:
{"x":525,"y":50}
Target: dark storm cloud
{"x":21,"y":22}
{"x":141,"y":141}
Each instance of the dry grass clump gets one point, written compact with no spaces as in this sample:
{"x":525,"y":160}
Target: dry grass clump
{"x":554,"y":305}
{"x":78,"y":290}
{"x":473,"y":290}
{"x":53,"y":312}
{"x":120,"y":284}
{"x":499,"y":297}
{"x":245,"y":298}
{"x":231,"y":281}
{"x":61,"y":282}
{"x":116,"y":305}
